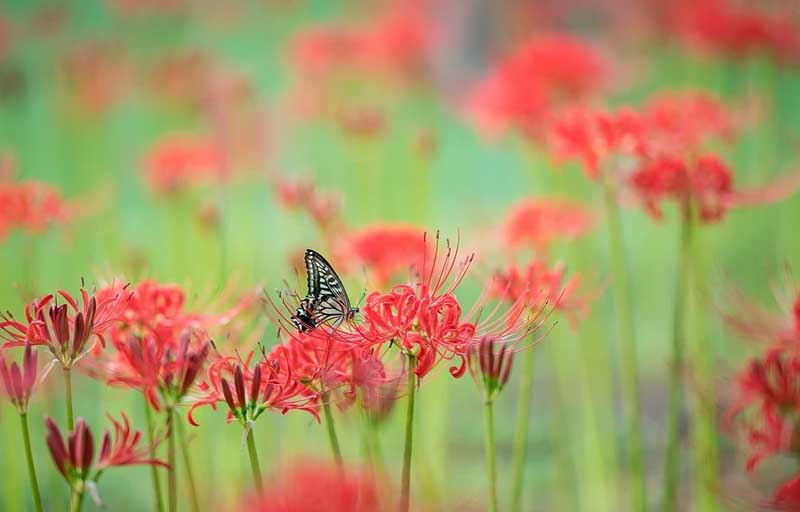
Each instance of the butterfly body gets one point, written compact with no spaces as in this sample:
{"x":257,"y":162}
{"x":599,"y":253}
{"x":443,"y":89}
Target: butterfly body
{"x":326,"y":300}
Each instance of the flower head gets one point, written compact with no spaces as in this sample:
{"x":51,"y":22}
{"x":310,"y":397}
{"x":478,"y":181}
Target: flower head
{"x":74,"y":455}
{"x":31,"y":205}
{"x":385,"y":249}
{"x":490,"y":365}
{"x":540,"y":222}
{"x":19,"y":381}
{"x":67,"y":330}
{"x":318,"y":487}
{"x":181,"y":161}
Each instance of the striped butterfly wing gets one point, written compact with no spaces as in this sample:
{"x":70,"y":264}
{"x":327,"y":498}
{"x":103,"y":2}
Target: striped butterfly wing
{"x":327,"y":299}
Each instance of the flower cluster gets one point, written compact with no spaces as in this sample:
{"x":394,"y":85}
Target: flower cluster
{"x":539,"y":222}
{"x":768,"y":395}
{"x":182,"y":161}
{"x":30,"y":205}
{"x":659,"y":153}
{"x":534,"y":81}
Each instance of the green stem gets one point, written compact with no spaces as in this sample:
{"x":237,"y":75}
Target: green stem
{"x":26,"y":437}
{"x":521,"y":429}
{"x":705,"y":430}
{"x":405,"y":488}
{"x":187,"y":464}
{"x":153,"y":469}
{"x":672,"y":455}
{"x":255,"y":467}
{"x":630,"y":365}
{"x":331,"y":427}
{"x":490,"y":457}
{"x":68,"y":398}
{"x":76,"y":500}
{"x":172,"y":487}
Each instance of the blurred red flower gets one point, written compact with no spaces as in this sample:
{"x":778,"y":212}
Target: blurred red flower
{"x":323,"y":206}
{"x":384,"y":249}
{"x":31,"y":205}
{"x":97,"y":73}
{"x":787,"y":495}
{"x":177,"y":162}
{"x":539,"y":222}
{"x":319,"y":487}
{"x":738,"y":29}
{"x":530,"y":84}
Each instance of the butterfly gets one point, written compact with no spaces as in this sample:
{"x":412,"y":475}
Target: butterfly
{"x":326,"y":299}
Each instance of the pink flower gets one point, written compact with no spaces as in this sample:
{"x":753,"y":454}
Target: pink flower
{"x":19,"y":381}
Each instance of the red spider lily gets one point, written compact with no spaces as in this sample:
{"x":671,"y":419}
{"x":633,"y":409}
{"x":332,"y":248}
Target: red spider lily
{"x":319,"y":487}
{"x":738,"y":29}
{"x":19,"y":381}
{"x":249,"y":392}
{"x":538,"y":284}
{"x":74,"y":456}
{"x":162,"y":372}
{"x":490,"y":368}
{"x":181,"y":161}
{"x":323,"y":206}
{"x":395,"y":44}
{"x":538,"y":222}
{"x":594,"y":136}
{"x":532,"y":82}
{"x":67,"y":329}
{"x":770,"y":389}
{"x":32,"y":206}
{"x":385,"y":249}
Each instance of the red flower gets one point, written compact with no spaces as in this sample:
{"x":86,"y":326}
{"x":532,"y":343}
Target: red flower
{"x":528,"y":85}
{"x":317,"y":487}
{"x":738,"y":30}
{"x":248,"y":392}
{"x":19,"y":381}
{"x":75,"y":457}
{"x":32,"y":206}
{"x":163,"y":372}
{"x":181,"y":161}
{"x":594,"y":136}
{"x":67,"y":329}
{"x":323,"y":206}
{"x":538,"y":284}
{"x":539,"y":222}
{"x":787,"y":495}
{"x":490,"y":366}
{"x":385,"y":249}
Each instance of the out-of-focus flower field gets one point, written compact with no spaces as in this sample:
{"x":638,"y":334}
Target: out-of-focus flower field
{"x":569,"y":228}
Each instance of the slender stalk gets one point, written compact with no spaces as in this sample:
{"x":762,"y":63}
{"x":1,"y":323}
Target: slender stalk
{"x":331,"y":427}
{"x":630,"y":364}
{"x":705,"y":430}
{"x":172,"y":487}
{"x":672,"y":455}
{"x":187,"y":464}
{"x":153,"y":469}
{"x":26,"y":437}
{"x":68,"y":398}
{"x":490,"y":457}
{"x":255,"y":467}
{"x":76,"y":500}
{"x":405,"y":487}
{"x":521,"y":429}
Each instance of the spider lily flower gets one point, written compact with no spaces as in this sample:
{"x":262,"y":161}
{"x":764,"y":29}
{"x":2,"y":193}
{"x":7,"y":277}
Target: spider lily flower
{"x":316,"y":487}
{"x":182,"y":161}
{"x":32,"y":206}
{"x":489,"y":366}
{"x":74,"y":454}
{"x":19,"y":381}
{"x":384,"y":249}
{"x":540,"y":222}
{"x":533,"y":82}
{"x":248,"y":392}
{"x":67,"y":330}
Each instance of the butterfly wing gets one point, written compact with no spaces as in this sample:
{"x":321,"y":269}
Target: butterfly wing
{"x":327,"y":298}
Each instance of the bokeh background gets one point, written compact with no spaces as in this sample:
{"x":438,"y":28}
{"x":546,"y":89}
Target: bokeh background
{"x":90,"y":91}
